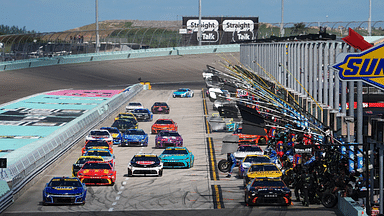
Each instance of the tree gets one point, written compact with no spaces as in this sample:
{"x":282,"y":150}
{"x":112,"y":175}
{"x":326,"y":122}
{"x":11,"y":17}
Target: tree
{"x":298,"y":28}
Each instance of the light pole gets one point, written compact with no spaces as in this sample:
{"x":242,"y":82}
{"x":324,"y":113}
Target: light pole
{"x":97,"y":26}
{"x":369,"y":18}
{"x":199,"y":28}
{"x":282,"y":19}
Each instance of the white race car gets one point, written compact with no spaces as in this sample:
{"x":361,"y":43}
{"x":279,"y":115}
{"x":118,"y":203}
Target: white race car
{"x":133,"y":105}
{"x":145,"y":165}
{"x":99,"y":135}
{"x":245,"y":150}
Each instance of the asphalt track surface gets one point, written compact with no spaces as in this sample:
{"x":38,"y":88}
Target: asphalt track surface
{"x":178,"y":192}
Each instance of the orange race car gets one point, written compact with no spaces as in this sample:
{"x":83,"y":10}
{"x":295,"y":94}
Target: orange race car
{"x":97,"y":173}
{"x":97,"y":144}
{"x":163,"y":124}
{"x":252,"y":139}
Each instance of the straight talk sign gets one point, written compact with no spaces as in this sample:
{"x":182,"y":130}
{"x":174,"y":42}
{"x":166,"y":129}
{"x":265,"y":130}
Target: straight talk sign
{"x":219,"y":30}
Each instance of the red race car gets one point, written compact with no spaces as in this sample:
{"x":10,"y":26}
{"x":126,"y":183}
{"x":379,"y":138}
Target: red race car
{"x":164,"y":124}
{"x":97,"y":173}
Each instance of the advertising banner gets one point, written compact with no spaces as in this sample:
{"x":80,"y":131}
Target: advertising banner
{"x":219,"y":30}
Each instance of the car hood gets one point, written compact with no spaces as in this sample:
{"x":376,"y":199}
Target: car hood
{"x":173,"y":156}
{"x":135,"y":137}
{"x":243,"y":154}
{"x":179,"y":93}
{"x":96,"y":171}
{"x":64,"y":190}
{"x":115,"y":135}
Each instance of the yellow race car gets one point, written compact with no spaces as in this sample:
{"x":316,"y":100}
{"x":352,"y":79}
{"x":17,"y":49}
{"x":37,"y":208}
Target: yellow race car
{"x":125,"y":116}
{"x":262,"y":170}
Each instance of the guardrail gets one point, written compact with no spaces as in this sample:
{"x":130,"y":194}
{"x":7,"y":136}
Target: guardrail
{"x":104,"y":56}
{"x":22,"y":171}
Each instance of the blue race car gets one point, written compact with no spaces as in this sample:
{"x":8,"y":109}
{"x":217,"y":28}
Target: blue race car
{"x":115,"y":133}
{"x":177,"y":157}
{"x":183,"y":92}
{"x":134,"y":137}
{"x":64,"y":190}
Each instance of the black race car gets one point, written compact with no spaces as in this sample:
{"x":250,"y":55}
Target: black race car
{"x":125,"y":124}
{"x":160,"y":107}
{"x":267,"y":191}
{"x":142,"y":114}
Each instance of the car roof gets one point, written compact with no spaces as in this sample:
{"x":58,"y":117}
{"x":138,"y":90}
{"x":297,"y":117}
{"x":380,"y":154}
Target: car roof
{"x":251,"y":155}
{"x":97,"y":149}
{"x":145,"y":154}
{"x":64,"y":177}
{"x":90,"y":157}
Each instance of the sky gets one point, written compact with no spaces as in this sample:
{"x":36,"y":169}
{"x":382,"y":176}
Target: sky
{"x":61,"y":15}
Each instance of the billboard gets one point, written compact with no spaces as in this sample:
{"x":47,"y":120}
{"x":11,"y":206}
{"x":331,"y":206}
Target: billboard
{"x":219,"y":30}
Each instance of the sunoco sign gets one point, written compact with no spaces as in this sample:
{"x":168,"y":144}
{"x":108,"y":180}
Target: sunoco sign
{"x":220,"y":30}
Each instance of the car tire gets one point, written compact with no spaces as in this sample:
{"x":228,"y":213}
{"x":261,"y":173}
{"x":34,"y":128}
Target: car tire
{"x":129,"y":172}
{"x":160,"y":173}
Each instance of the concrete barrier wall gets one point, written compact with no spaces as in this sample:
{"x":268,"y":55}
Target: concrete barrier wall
{"x":105,"y":56}
{"x":350,"y":207}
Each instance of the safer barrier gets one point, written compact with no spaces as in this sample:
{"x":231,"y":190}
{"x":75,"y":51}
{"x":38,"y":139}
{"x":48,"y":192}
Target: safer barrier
{"x":105,"y":56}
{"x":20,"y":171}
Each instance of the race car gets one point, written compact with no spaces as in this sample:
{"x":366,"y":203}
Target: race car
{"x":104,"y":153}
{"x":125,"y":124}
{"x":160,"y":107}
{"x":81,"y":161}
{"x":97,"y":144}
{"x":135,"y":137}
{"x":145,"y":165}
{"x":177,"y":157}
{"x":125,"y":116}
{"x":168,"y":138}
{"x":249,"y":138}
{"x":115,"y":133}
{"x":267,"y":191}
{"x":132,"y":106}
{"x":64,"y":190}
{"x":99,"y":135}
{"x":262,"y":170}
{"x":97,"y":173}
{"x":163,"y":124}
{"x":249,"y":160}
{"x":183,"y":92}
{"x":143,"y":114}
{"x":244,"y":150}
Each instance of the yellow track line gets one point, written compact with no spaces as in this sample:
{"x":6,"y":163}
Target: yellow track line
{"x":217,"y":197}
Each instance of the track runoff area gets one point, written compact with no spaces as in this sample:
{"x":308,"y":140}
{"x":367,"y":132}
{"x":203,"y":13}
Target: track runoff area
{"x":199,"y":190}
